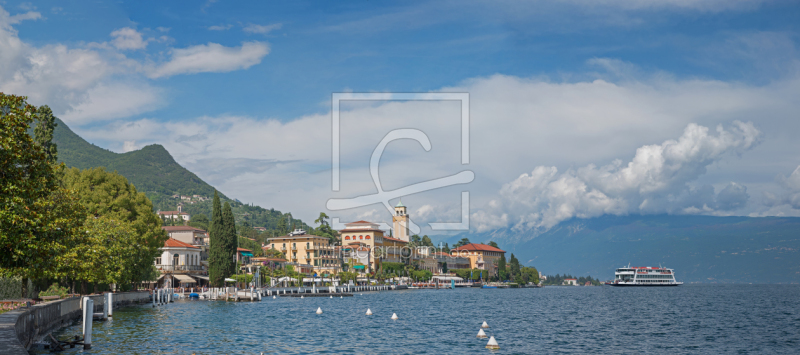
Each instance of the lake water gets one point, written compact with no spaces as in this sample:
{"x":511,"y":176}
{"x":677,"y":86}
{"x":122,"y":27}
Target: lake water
{"x":688,"y":319}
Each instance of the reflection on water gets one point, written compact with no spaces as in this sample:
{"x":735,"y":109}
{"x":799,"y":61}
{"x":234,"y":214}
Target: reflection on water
{"x":686,"y":319}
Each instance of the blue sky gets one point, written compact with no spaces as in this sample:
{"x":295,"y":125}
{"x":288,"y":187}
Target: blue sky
{"x":187,"y":75}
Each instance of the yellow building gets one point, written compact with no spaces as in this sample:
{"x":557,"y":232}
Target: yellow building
{"x":481,"y":256}
{"x":308,"y":249}
{"x":380,"y":248}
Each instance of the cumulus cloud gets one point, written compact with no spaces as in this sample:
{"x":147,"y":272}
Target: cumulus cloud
{"x":30,"y":15}
{"x":110,"y":101}
{"x":791,"y":191}
{"x":128,"y":38}
{"x":516,"y":125}
{"x":211,"y":57}
{"x":656,"y":180}
{"x":261,"y":29}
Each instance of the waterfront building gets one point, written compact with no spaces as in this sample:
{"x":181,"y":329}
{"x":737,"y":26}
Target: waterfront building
{"x":243,"y":255}
{"x":308,"y":249}
{"x":179,"y":265}
{"x":174,"y":215}
{"x":568,"y":282}
{"x":187,"y":234}
{"x":452,"y":261}
{"x":357,"y":256}
{"x":381,"y":247}
{"x":481,"y":256}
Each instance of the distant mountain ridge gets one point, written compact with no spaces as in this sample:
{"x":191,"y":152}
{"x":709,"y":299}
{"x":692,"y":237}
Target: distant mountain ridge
{"x":150,"y":169}
{"x":699,"y":248}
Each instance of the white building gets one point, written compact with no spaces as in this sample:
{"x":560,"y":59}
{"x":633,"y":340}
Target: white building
{"x":174,"y":215}
{"x":180,"y":260}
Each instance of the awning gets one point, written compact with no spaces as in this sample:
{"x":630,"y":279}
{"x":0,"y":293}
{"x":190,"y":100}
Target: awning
{"x":229,"y":280}
{"x":202,"y":277}
{"x":184,"y":279}
{"x":359,"y":267}
{"x":244,"y":253}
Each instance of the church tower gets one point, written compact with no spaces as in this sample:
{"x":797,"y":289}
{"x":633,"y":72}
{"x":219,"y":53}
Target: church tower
{"x":400,"y":219}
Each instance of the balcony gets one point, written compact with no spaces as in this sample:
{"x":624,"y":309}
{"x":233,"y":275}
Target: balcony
{"x":181,"y":269}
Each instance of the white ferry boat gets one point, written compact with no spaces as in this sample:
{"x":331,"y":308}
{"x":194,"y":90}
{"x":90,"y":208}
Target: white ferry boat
{"x":644,"y":276}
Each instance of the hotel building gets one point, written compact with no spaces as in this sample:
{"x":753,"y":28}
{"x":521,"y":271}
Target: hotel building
{"x":481,"y":256}
{"x":310,"y":250}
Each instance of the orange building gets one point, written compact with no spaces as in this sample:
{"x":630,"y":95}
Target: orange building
{"x":481,"y":256}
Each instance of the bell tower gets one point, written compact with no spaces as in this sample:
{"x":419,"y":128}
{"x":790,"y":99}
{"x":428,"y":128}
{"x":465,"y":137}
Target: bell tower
{"x":400,"y":219}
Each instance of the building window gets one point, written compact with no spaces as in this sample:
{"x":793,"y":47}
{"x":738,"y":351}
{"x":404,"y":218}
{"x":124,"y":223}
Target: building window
{"x":347,"y":237}
{"x":158,"y":261}
{"x":360,"y":237}
{"x":307,"y":245}
{"x":367,"y":237}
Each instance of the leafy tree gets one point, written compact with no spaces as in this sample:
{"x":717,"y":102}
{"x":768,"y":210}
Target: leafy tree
{"x":121,"y":223}
{"x":426,"y":241}
{"x":415,"y":241}
{"x":43,"y":133}
{"x":493,"y":244}
{"x":502,"y":273}
{"x":199,"y":221}
{"x":462,"y":242}
{"x":39,"y":220}
{"x":217,"y":261}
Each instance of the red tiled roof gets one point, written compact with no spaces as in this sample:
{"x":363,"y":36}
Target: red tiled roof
{"x":358,"y":222}
{"x":356,"y":231}
{"x":174,"y":243}
{"x":243,"y":249}
{"x":478,"y":247}
{"x":181,"y":228}
{"x":394,"y":239}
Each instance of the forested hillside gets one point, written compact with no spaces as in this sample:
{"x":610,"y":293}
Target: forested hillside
{"x":153,"y":171}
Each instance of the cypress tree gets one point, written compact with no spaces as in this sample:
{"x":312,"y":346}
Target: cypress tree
{"x":501,"y":267}
{"x":228,"y":232}
{"x":43,"y":132}
{"x":216,"y":257}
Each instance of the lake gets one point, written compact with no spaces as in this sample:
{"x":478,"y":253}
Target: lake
{"x":688,"y":319}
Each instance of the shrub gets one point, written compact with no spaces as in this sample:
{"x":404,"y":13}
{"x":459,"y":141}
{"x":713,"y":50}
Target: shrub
{"x":55,"y":290}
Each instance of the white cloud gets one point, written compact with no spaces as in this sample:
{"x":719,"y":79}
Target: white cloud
{"x":220,"y":27}
{"x":790,"y":196}
{"x":656,"y":180}
{"x":129,"y":146}
{"x":128,"y":38}
{"x":262,"y":29}
{"x":30,"y":15}
{"x":211,"y":57}
{"x":110,"y":101}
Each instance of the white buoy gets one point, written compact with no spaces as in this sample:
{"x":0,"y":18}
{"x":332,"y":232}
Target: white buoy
{"x":394,"y":316}
{"x":481,"y":334}
{"x":492,"y":344}
{"x":369,"y":312}
{"x":273,"y":297}
{"x":341,"y":296}
{"x":331,"y":296}
{"x":319,"y":310}
{"x":301,"y":296}
{"x":484,"y":325}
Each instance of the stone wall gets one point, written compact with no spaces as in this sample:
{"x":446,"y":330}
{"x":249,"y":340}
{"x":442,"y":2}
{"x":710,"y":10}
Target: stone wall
{"x":19,"y":329}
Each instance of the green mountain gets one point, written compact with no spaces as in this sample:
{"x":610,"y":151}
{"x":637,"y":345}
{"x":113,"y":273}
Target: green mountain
{"x":699,"y":248}
{"x":153,"y":171}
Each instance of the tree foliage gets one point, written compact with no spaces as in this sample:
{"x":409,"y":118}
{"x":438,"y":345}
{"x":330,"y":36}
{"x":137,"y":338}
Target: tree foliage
{"x":39,"y":219}
{"x":217,"y":264}
{"x":502,"y":272}
{"x":43,"y":133}
{"x":229,"y":237}
{"x":124,"y":234}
